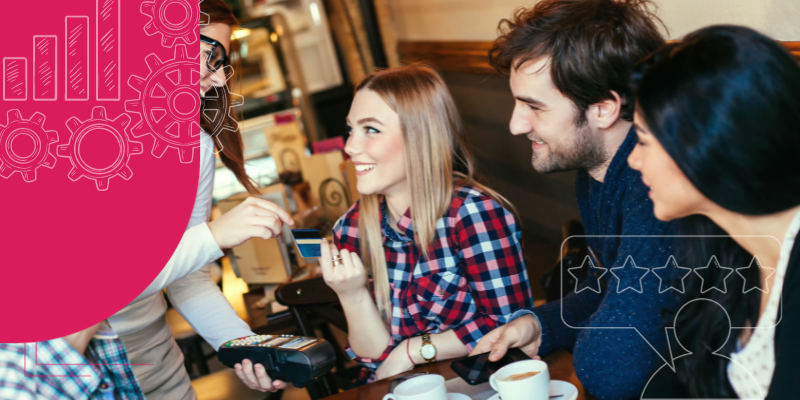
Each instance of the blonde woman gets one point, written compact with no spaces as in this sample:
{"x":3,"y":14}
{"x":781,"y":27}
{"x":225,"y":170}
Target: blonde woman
{"x":417,"y":190}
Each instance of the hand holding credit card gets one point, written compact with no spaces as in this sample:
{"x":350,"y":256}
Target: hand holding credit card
{"x":308,"y":242}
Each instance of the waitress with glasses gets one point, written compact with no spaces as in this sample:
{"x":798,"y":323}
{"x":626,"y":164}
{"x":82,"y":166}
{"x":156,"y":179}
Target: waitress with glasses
{"x":142,"y":324}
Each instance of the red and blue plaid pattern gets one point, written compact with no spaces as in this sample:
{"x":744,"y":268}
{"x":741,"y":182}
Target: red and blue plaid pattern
{"x":473,"y":281}
{"x":53,"y":370}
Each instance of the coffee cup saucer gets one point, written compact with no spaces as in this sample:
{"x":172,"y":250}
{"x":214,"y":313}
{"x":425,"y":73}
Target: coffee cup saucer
{"x":566,"y":390}
{"x":457,"y":396}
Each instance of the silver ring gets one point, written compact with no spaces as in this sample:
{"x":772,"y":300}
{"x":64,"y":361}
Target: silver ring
{"x":337,"y":260}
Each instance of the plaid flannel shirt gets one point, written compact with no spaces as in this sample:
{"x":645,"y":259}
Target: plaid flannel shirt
{"x":53,"y":370}
{"x":473,"y":282}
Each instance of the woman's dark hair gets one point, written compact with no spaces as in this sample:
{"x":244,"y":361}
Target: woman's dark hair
{"x":725,"y":104}
{"x":593,"y":46}
{"x":228,"y":142}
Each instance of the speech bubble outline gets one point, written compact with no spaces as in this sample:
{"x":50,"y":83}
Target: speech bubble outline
{"x":671,"y":361}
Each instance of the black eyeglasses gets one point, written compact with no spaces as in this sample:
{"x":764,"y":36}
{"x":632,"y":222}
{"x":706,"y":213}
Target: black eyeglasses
{"x":216,"y":58}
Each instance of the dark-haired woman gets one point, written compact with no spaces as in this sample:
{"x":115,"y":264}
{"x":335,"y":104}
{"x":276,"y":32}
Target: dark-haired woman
{"x":718,"y":120}
{"x":142,"y":325}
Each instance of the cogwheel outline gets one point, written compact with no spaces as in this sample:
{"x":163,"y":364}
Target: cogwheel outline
{"x":159,"y":117}
{"x":43,"y":140}
{"x":221,"y":118}
{"x":171,"y":32}
{"x":99,"y":121}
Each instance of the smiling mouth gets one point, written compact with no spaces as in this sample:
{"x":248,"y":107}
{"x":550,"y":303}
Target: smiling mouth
{"x":536,"y":140}
{"x":365,"y":167}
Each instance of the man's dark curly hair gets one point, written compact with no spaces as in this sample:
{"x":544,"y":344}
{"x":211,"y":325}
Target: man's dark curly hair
{"x":593,"y":46}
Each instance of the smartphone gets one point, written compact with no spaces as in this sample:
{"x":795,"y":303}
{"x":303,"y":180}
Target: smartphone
{"x":308,"y":242}
{"x":477,"y":369}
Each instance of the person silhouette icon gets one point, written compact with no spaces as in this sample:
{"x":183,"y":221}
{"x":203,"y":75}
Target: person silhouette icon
{"x":665,"y":382}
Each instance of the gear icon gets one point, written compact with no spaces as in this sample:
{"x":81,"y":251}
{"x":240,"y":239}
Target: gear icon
{"x":31,"y":130}
{"x":99,"y":123}
{"x":218,"y":106}
{"x":172,"y":124}
{"x":169,"y":27}
{"x":205,"y":19}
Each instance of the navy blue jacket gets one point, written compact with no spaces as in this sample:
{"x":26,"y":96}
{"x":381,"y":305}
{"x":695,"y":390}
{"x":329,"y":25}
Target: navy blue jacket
{"x":615,"y":363}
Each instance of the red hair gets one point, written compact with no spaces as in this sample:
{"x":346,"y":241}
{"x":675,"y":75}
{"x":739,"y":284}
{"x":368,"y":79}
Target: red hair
{"x":228,"y":143}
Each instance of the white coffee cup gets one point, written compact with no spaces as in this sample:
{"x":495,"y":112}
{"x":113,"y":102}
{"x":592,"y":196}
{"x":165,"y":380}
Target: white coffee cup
{"x":536,"y":387}
{"x":425,"y":387}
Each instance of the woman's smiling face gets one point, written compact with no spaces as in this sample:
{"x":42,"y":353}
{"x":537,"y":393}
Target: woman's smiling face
{"x":673,"y":195}
{"x":376,"y":145}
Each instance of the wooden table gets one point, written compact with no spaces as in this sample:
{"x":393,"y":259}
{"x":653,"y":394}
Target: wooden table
{"x":559,"y":363}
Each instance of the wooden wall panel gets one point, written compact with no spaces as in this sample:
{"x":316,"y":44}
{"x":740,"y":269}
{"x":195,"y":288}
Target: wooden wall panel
{"x":449,"y":56}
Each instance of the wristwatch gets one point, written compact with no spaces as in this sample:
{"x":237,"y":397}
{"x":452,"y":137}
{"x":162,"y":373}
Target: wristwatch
{"x":428,"y":350}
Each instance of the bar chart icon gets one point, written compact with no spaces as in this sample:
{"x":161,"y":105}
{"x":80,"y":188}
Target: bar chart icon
{"x":15,"y":79}
{"x":45,"y":68}
{"x":76,"y":66}
{"x":108,"y":50}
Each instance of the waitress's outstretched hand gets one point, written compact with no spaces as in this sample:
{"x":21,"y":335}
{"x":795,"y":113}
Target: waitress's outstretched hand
{"x":346,"y":279}
{"x":253,"y":218}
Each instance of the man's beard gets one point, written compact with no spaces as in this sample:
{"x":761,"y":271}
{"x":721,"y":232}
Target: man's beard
{"x":584,"y":151}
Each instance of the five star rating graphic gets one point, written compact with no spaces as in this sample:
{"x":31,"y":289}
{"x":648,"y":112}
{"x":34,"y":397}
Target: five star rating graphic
{"x":671,"y":276}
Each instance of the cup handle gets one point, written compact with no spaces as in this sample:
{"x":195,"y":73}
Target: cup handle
{"x":389,"y":396}
{"x":492,"y":383}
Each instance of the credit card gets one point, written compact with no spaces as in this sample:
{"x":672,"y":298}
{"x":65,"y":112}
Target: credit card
{"x":308,"y":242}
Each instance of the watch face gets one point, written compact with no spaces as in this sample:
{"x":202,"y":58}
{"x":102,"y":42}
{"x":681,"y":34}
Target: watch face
{"x":428,"y":351}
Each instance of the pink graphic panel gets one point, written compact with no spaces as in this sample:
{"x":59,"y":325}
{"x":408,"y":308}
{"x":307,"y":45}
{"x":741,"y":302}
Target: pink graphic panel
{"x":45,"y":68}
{"x":76,"y":65}
{"x":91,"y":215}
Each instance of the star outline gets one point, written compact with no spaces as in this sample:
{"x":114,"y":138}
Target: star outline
{"x":714,"y":260}
{"x":661,"y":280}
{"x":757,"y":261}
{"x":591,"y":266}
{"x":619,"y":281}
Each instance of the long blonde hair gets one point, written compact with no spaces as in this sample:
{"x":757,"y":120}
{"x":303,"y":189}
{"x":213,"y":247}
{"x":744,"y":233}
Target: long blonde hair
{"x":436,"y":161}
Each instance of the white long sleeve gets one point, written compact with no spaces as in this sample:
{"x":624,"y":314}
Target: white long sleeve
{"x":196,"y":249}
{"x":199,"y":300}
